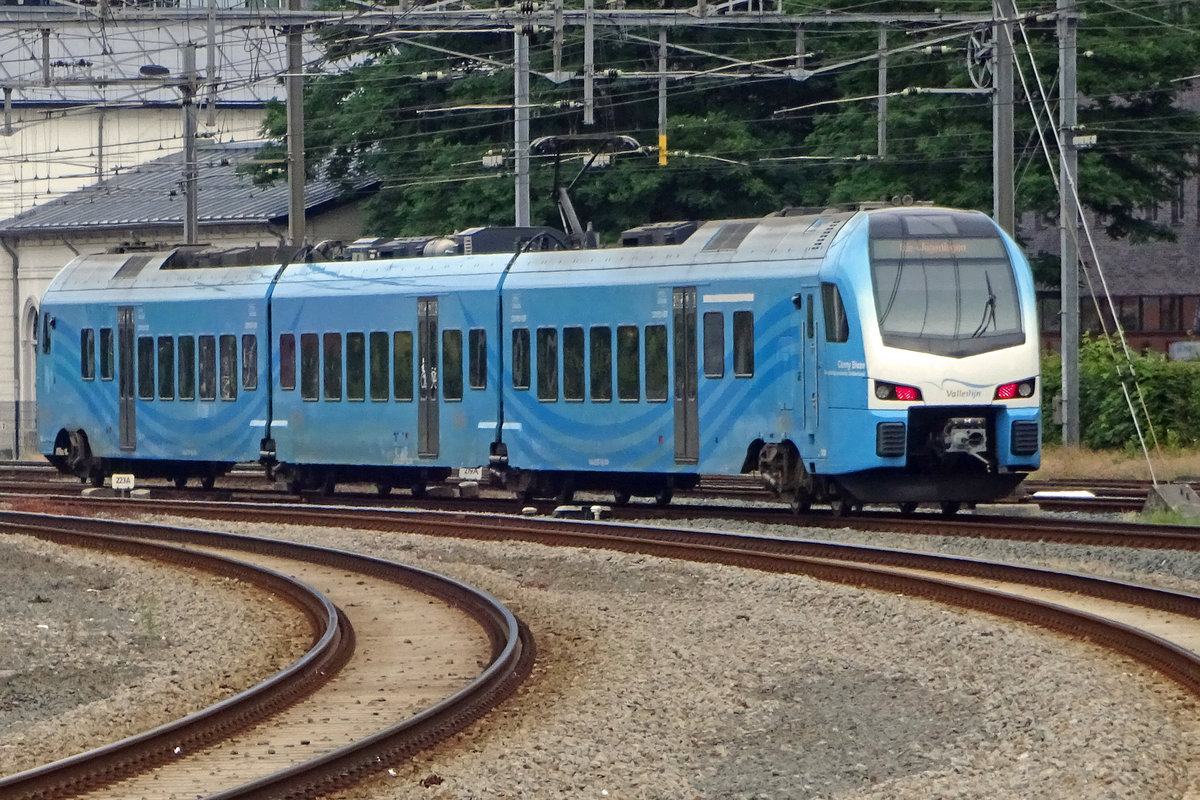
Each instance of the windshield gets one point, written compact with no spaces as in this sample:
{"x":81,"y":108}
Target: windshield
{"x":943,"y":283}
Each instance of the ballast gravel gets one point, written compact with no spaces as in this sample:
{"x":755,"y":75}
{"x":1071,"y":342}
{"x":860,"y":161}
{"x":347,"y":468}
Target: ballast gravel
{"x":660,"y":679}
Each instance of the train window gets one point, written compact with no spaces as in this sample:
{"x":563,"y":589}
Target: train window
{"x":601,"y":358}
{"x":208,"y":368}
{"x":837,"y":328}
{"x":547,"y":365}
{"x":743,"y":344}
{"x":106,"y":354}
{"x":656,"y":363}
{"x":287,"y":361}
{"x":310,"y":367}
{"x":477,"y":365}
{"x":228,"y":344}
{"x":87,"y":354}
{"x":402,"y":365}
{"x":520,"y":358}
{"x":187,"y":368}
{"x":379,"y":365}
{"x":629,"y":387}
{"x":331,"y":349}
{"x":249,"y":362}
{"x":572,"y":366}
{"x":145,"y":370}
{"x":166,"y":368}
{"x":356,"y":366}
{"x":452,"y":364}
{"x":714,"y":344}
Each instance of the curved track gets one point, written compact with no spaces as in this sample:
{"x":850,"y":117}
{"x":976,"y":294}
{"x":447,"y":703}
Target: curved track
{"x":346,"y":713}
{"x":959,"y":581}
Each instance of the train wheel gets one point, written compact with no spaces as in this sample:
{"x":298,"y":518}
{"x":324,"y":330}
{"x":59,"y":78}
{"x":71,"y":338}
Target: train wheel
{"x":96,"y":477}
{"x":208,"y":482}
{"x":908,"y":507}
{"x":295,"y":484}
{"x":419,"y":488}
{"x":180,"y":481}
{"x":621,"y":497}
{"x":328,"y":484}
{"x":383,"y":487}
{"x":841,"y":507}
{"x":800,"y":502}
{"x":950,"y":508}
{"x":565,"y":495}
{"x":663,"y":498}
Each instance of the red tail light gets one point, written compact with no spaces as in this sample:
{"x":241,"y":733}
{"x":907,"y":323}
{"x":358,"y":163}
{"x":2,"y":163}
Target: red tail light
{"x":895,"y":391}
{"x":1016,"y":389}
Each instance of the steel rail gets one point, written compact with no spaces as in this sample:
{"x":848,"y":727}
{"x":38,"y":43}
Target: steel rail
{"x":333,"y":643}
{"x":851,"y":564}
{"x":512,"y":653}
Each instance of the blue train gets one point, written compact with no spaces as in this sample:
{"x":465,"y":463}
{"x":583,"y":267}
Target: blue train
{"x":885,"y":355}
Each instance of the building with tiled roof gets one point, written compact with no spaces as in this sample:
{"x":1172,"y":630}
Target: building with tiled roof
{"x":142,"y":207}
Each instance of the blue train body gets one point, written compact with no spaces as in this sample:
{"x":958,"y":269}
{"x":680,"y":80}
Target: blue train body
{"x":888,"y":355}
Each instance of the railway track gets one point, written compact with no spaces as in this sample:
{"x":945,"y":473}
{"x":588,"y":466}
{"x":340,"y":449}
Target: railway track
{"x":373,"y":688}
{"x":1159,"y":628}
{"x":843,"y":563}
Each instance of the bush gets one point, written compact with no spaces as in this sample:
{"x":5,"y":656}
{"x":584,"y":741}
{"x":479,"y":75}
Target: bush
{"x":1170,"y":391}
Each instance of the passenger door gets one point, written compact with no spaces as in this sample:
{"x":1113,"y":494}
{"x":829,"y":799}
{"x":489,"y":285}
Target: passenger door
{"x":427,"y":389}
{"x":807,"y":405}
{"x":126,"y":379}
{"x":687,"y":418}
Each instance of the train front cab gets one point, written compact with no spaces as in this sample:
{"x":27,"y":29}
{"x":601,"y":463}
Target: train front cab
{"x":927,"y":373}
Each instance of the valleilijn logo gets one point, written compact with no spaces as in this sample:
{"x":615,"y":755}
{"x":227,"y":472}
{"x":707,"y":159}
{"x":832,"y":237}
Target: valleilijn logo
{"x":957,"y":390}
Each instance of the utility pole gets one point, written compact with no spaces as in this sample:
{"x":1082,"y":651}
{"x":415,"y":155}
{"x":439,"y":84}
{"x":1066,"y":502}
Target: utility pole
{"x":662,"y":97}
{"x":521,"y":123}
{"x":188,"y":91}
{"x":1004,"y":203}
{"x":881,"y":122}
{"x":295,"y":131}
{"x":1068,"y":220}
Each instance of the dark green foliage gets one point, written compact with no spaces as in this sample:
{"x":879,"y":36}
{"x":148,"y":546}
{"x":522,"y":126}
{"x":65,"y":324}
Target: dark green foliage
{"x":400,"y":117}
{"x":1170,"y":391}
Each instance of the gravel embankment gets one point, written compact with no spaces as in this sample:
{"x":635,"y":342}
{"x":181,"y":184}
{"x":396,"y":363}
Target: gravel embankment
{"x":98,"y":647}
{"x":658,"y":679}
